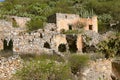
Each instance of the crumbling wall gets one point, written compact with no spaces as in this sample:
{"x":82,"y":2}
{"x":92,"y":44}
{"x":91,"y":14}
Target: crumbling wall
{"x":21,"y":21}
{"x":47,"y":39}
{"x":69,"y":22}
{"x":28,"y":42}
{"x":34,"y":42}
{"x":58,"y":40}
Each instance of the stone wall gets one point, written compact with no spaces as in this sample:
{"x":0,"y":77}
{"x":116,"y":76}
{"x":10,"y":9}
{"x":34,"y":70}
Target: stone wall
{"x":9,"y":66}
{"x":69,"y":22}
{"x":47,"y":39}
{"x":39,"y":41}
{"x":34,"y":42}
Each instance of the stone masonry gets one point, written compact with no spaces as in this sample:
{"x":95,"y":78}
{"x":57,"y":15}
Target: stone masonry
{"x":68,"y":22}
{"x":49,"y":39}
{"x":9,"y":66}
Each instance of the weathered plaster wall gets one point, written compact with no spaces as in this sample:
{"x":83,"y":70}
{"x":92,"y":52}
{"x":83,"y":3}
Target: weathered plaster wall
{"x":64,"y":21}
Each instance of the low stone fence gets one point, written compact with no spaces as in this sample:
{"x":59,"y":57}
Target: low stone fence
{"x":8,"y":66}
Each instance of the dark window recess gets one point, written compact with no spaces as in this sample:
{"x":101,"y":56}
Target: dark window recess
{"x":62,"y":48}
{"x":47,"y":45}
{"x":70,"y":27}
{"x":90,"y":27}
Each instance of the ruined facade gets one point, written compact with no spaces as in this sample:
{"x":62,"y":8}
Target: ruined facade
{"x":73,"y":22}
{"x":48,"y":39}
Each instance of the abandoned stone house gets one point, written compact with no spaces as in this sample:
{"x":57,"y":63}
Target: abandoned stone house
{"x":48,"y":39}
{"x":71,"y":21}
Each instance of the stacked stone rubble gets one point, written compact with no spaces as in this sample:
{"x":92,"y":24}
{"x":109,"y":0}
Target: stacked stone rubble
{"x":9,"y":66}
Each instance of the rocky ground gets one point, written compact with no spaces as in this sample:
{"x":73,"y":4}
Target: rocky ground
{"x":100,"y":69}
{"x":8,"y":66}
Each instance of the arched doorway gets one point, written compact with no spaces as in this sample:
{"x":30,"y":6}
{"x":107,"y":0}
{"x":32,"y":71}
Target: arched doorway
{"x":62,"y":48}
{"x":47,"y":45}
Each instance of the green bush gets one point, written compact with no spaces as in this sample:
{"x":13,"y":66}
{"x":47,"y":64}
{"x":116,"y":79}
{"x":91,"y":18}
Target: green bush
{"x":50,"y":67}
{"x":110,"y":47}
{"x":104,"y":22}
{"x":78,"y":62}
{"x":73,"y":32}
{"x":34,"y":24}
{"x":29,"y":56}
{"x":44,"y":70}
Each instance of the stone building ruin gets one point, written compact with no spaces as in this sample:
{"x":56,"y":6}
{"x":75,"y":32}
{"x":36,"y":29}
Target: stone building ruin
{"x":48,"y":39}
{"x":71,"y":21}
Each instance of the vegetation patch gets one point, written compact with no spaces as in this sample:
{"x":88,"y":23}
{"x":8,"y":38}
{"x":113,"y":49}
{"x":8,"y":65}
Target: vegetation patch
{"x":34,"y":24}
{"x":43,"y":56}
{"x":110,"y":47}
{"x":78,"y":62}
{"x":44,"y":69}
{"x":73,"y":32}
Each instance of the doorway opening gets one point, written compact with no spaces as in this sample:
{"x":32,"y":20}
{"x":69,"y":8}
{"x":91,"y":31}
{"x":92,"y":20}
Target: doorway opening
{"x":72,"y":39}
{"x":62,"y":48}
{"x":8,"y":45}
{"x":47,"y":45}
